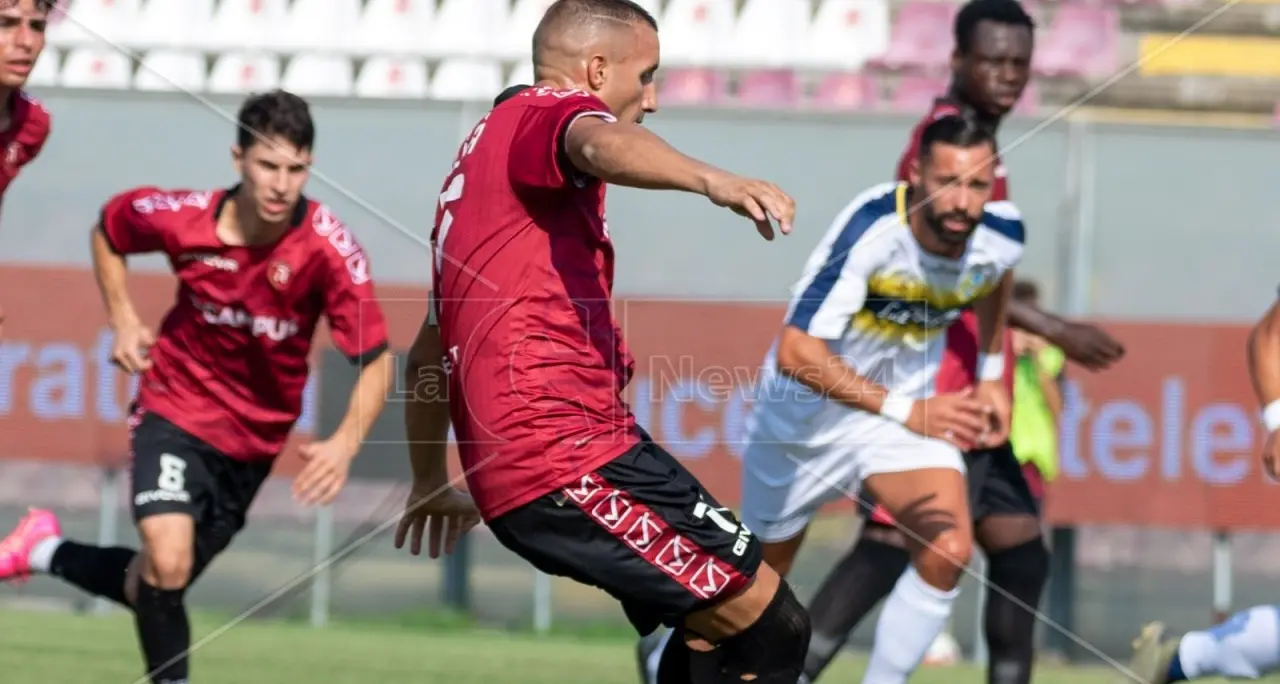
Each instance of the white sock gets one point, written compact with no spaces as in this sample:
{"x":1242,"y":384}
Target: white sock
{"x":655,"y":657}
{"x":1247,"y":644}
{"x":913,"y":616}
{"x":42,"y":553}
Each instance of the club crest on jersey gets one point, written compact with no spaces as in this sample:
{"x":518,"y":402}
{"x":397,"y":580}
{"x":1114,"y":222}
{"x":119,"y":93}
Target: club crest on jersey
{"x":973,"y":284}
{"x":279,"y":274}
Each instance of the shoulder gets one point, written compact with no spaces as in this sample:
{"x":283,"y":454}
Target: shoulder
{"x":1003,"y":218}
{"x":870,"y":213}
{"x":335,"y":242}
{"x":36,"y":119}
{"x":547,"y":98}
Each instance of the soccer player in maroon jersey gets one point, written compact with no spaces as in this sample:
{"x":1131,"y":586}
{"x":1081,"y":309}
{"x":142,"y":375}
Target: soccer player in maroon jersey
{"x":258,"y":265}
{"x":990,"y":69}
{"x":24,"y":122}
{"x":536,"y":364}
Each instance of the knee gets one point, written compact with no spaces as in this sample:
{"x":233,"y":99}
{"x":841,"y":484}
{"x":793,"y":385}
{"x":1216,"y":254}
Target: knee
{"x":942,"y":561}
{"x":168,"y":567}
{"x":773,"y":649}
{"x":1024,"y":565}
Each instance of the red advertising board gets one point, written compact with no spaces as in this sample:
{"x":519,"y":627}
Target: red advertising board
{"x":1168,"y":438}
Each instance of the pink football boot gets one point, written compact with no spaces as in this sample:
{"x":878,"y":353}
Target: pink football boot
{"x":15,"y":550}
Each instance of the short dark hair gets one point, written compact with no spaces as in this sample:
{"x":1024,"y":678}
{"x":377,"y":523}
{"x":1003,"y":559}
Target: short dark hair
{"x":955,"y":129}
{"x":1025,"y":290}
{"x":564,"y":14}
{"x":277,"y":113}
{"x":1009,"y":12}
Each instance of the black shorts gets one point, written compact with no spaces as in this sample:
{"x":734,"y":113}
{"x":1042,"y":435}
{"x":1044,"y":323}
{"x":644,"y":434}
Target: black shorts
{"x":644,"y":530}
{"x":175,"y":472}
{"x":996,"y":485}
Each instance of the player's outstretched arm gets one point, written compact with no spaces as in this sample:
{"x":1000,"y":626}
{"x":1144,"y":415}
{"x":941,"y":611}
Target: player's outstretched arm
{"x":633,"y":156}
{"x":328,"y":462}
{"x":1087,"y":345}
{"x":993,"y":311}
{"x":809,"y":359}
{"x":132,"y":338}
{"x":1264,"y":372}
{"x":434,"y":506}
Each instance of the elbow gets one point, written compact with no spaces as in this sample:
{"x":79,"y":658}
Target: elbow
{"x":791,"y":354}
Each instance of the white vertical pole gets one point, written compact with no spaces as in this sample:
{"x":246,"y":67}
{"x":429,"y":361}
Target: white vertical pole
{"x":108,"y":521}
{"x":541,"y":602}
{"x":321,"y":586}
{"x":1222,"y":575}
{"x":979,"y":564}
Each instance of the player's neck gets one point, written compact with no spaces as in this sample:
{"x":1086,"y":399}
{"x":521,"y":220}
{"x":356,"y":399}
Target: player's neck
{"x":954,"y":94}
{"x":6,"y":107}
{"x":242,"y":227}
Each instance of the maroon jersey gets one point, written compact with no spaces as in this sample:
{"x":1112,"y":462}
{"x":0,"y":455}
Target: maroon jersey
{"x":29,"y":124}
{"x":232,"y":356}
{"x":523,"y":281}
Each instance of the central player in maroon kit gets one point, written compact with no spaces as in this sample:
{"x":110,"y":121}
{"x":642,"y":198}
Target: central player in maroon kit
{"x":536,"y":364}
{"x":258,"y":266}
{"x":24,"y":122}
{"x":990,"y":69}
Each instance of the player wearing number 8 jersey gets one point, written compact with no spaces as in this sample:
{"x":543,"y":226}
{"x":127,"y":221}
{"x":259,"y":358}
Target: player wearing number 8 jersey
{"x":258,"y":266}
{"x":536,"y":364}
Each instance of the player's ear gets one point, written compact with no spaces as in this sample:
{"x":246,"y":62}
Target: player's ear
{"x":237,"y":159}
{"x":597,"y":73}
{"x":913,"y":171}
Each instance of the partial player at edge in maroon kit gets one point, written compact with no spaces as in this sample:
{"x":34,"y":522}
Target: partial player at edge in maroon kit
{"x":24,"y":122}
{"x":257,"y":266}
{"x":521,"y":334}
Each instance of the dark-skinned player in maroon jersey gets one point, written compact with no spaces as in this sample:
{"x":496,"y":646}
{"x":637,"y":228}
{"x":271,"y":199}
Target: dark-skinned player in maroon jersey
{"x":520,"y":322}
{"x":24,"y":122}
{"x":990,"y":69}
{"x":258,"y":266}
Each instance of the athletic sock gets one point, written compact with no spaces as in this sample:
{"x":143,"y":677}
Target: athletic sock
{"x":1018,"y":576}
{"x":164,"y":633}
{"x":859,"y":582}
{"x":913,"y":617}
{"x":1246,"y":645}
{"x":97,"y":570}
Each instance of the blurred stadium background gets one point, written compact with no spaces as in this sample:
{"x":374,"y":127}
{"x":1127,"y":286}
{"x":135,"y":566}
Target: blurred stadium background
{"x":1146,"y":166}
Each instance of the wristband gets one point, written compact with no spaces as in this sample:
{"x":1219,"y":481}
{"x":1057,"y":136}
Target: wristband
{"x":897,"y":407}
{"x":1271,"y":416}
{"x":990,"y":367}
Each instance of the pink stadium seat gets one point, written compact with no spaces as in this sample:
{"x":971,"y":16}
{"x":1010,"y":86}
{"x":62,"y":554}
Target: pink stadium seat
{"x":1081,"y":42}
{"x":921,"y":37}
{"x":692,"y":87}
{"x":769,"y":88}
{"x":846,"y":91}
{"x":915,"y":94}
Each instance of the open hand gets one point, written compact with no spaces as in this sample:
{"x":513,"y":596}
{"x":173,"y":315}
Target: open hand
{"x":328,"y":464}
{"x":760,"y":201}
{"x":443,"y":512}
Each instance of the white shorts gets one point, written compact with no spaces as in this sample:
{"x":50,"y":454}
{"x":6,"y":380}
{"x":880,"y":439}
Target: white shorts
{"x":787,"y":477}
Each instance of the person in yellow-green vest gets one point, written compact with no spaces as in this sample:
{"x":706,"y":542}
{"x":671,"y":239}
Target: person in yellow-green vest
{"x":1037,"y":399}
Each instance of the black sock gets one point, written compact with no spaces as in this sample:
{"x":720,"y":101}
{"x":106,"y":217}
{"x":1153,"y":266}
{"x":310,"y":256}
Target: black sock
{"x":1010,"y":625}
{"x":164,"y":632}
{"x":99,"y":570}
{"x":673,"y":666}
{"x":860,"y":581}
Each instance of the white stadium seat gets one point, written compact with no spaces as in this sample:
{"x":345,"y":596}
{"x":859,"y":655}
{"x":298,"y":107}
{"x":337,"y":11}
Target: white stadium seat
{"x":846,"y":33}
{"x":319,"y":25}
{"x":245,"y":72}
{"x":319,"y":74}
{"x":393,"y":77}
{"x":769,"y":33}
{"x":466,"y":79}
{"x":169,"y":24}
{"x":45,"y":72}
{"x":247,"y":24}
{"x":696,"y":32}
{"x":96,"y":68}
{"x":521,"y":75}
{"x":171,"y":70}
{"x":516,"y":39}
{"x":394,"y":27}
{"x":467,"y":28}
{"x":95,"y":23}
